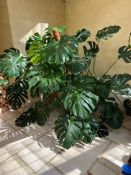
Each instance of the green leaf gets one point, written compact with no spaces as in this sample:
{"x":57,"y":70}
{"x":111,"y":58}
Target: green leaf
{"x":17,"y":93}
{"x":4,"y":82}
{"x":42,"y":111}
{"x":125,"y":53}
{"x":35,"y":37}
{"x":119,"y":84}
{"x":27,"y":118}
{"x":12,"y":63}
{"x":60,"y":52}
{"x":91,"y":52}
{"x":104,"y":86}
{"x":56,"y":103}
{"x":107,"y":32}
{"x":77,"y":66}
{"x":80,"y":103}
{"x":44,"y":78}
{"x":37,"y":114}
{"x":103,"y":130}
{"x":89,"y":131}
{"x":111,"y":114}
{"x":35,"y":51}
{"x":68,"y":130}
{"x":82,"y":35}
{"x":84,"y":83}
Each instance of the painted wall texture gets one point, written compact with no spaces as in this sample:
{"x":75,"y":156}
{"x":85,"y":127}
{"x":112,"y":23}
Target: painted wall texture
{"x":5,"y":31}
{"x":24,"y":15}
{"x":96,"y":14}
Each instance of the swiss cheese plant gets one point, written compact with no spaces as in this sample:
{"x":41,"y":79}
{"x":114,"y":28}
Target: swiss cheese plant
{"x":55,"y":71}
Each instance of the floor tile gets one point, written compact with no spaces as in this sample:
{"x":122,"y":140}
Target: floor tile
{"x":79,"y":160}
{"x":114,"y":157}
{"x":48,"y":170}
{"x":40,"y":152}
{"x":121,"y":136}
{"x":14,"y":166}
{"x":11,"y":142}
{"x":9,"y":114}
{"x":99,"y":169}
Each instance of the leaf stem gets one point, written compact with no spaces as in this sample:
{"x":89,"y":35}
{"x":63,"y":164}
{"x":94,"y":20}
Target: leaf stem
{"x":129,"y":40}
{"x":111,"y":66}
{"x":26,"y":70}
{"x":117,"y":97}
{"x":91,"y":73}
{"x":94,"y":62}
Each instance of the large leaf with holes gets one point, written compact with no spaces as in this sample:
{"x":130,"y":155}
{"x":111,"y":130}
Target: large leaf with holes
{"x":27,"y":118}
{"x":17,"y":93}
{"x":84,"y":83}
{"x":111,"y":114}
{"x":125,"y":53}
{"x":42,"y":111}
{"x":91,"y":50}
{"x":37,"y":114}
{"x":44,"y":78}
{"x":60,"y":52}
{"x":104,"y":86}
{"x":89,"y":131}
{"x":68,"y":130}
{"x":35,"y":52}
{"x":12,"y":63}
{"x":35,"y":37}
{"x":45,"y":84}
{"x":78,"y":65}
{"x":80,"y":103}
{"x":119,"y":84}
{"x":107,"y":32}
{"x":82,"y":35}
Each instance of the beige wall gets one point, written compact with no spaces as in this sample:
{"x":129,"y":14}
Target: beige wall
{"x":25,"y":14}
{"x":96,"y":14}
{"x":18,"y":17}
{"x":5,"y":32}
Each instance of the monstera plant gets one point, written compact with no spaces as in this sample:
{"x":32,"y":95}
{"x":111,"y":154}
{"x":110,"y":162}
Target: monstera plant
{"x":54,"y":71}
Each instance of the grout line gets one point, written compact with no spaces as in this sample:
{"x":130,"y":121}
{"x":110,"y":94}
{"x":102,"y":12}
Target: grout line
{"x":98,"y":156}
{"x":108,"y":167}
{"x":25,"y":163}
{"x":61,"y":172}
{"x":20,"y":160}
{"x":106,"y":146}
{"x":49,"y":163}
{"x":119,"y":144}
{"x":21,"y":149}
{"x":15,"y":153}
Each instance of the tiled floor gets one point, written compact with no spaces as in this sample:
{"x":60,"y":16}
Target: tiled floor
{"x":34,"y":150}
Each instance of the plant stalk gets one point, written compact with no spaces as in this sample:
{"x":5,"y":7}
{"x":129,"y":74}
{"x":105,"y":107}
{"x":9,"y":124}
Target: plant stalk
{"x":94,"y":65}
{"x":129,"y":40}
{"x":117,"y":97}
{"x":110,"y":67}
{"x":26,"y":70}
